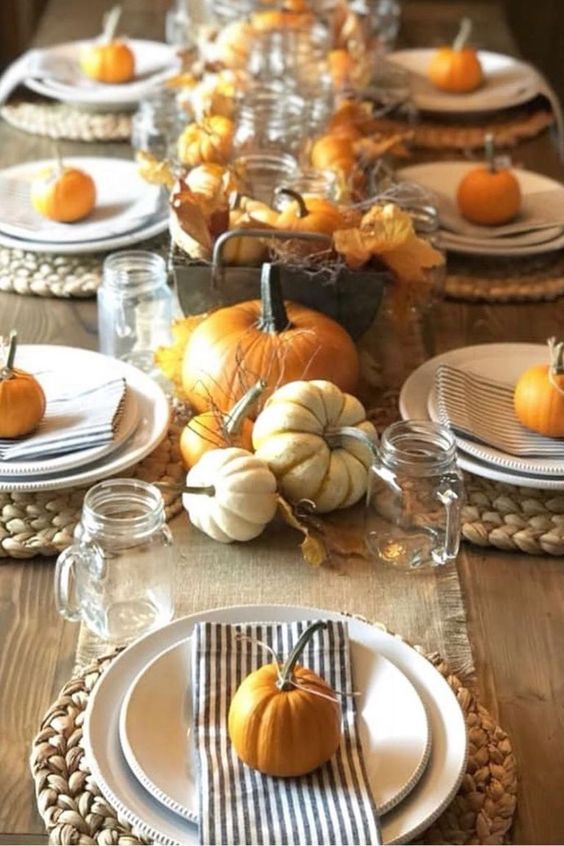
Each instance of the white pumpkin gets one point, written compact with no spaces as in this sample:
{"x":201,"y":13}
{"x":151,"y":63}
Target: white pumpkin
{"x":244,"y":495}
{"x":302,"y":435}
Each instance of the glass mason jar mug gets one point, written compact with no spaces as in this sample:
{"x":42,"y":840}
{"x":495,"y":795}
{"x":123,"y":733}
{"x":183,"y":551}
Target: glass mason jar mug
{"x":118,"y":575}
{"x":414,"y":497}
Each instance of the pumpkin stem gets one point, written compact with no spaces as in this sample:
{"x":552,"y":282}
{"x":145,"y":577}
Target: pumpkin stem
{"x":204,"y":490}
{"x":334,"y":437}
{"x":110,"y":23}
{"x":273,"y":318}
{"x":289,"y":192}
{"x":285,"y":677}
{"x":234,"y":419}
{"x":463,"y":34}
{"x":489,"y":146}
{"x":8,"y":367}
{"x":556,"y":356}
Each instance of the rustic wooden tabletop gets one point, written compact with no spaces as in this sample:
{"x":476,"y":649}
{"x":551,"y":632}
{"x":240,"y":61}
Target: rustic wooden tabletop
{"x":514,"y":602}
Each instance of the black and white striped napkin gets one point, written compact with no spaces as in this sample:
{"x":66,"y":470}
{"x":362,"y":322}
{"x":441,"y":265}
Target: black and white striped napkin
{"x":239,"y":805}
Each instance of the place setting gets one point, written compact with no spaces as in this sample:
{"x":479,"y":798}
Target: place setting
{"x":486,"y":395}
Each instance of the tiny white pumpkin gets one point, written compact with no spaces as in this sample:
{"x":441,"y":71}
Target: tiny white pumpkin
{"x":242,"y":498}
{"x":302,"y":435}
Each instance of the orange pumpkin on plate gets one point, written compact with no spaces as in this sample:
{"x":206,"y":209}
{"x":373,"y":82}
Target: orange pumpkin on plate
{"x":457,"y":69}
{"x":22,"y":401}
{"x":64,"y":194}
{"x":110,"y":60}
{"x":489,"y":195}
{"x":539,"y":395}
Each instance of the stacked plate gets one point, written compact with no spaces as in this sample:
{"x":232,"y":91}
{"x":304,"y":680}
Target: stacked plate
{"x":489,"y":364}
{"x":128,"y":210}
{"x":137,"y":733}
{"x":539,"y":227}
{"x":55,"y":72}
{"x":143,"y":422}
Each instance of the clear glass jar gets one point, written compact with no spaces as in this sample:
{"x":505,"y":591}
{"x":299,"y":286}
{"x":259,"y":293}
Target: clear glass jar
{"x":157,"y":124}
{"x":118,"y":576}
{"x":314,"y":183}
{"x":269,"y":122}
{"x":414,"y":497}
{"x":261,"y":174}
{"x":135,"y":307}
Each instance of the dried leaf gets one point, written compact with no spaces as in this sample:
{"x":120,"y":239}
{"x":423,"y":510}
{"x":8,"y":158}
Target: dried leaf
{"x":201,"y":217}
{"x":313,"y":549}
{"x":382,"y":229}
{"x":169,"y":359}
{"x":373,"y":148}
{"x":411,"y":261}
{"x":153,"y":170}
{"x":182,"y":80}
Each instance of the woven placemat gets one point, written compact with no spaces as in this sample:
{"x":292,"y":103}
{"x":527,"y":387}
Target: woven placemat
{"x":508,"y":130}
{"x":75,"y":811}
{"x":505,"y":280}
{"x":59,"y":121}
{"x":42,"y":522}
{"x":64,"y":276}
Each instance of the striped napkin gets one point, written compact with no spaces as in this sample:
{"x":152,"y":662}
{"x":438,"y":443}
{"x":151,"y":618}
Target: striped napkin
{"x":77,"y":417}
{"x":239,"y":805}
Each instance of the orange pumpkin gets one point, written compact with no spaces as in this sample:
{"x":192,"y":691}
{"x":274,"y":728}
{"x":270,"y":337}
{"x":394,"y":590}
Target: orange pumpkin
{"x":539,"y":395}
{"x":211,"y":140}
{"x":456,"y":69}
{"x":269,"y":339}
{"x":285,"y":721}
{"x":309,"y":214}
{"x":22,"y":401}
{"x":335,"y":151}
{"x":64,"y":194}
{"x":489,"y":195}
{"x":213,"y":430}
{"x":110,"y":60}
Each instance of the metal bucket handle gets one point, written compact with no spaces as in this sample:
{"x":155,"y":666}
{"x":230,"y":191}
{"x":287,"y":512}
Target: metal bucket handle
{"x":277,"y":234}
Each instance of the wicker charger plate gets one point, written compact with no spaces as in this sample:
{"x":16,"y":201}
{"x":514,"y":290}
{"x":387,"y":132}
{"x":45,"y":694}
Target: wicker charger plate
{"x":496,"y":280}
{"x":65,"y":276}
{"x":42,"y":522}
{"x":59,"y":121}
{"x":74,"y":810}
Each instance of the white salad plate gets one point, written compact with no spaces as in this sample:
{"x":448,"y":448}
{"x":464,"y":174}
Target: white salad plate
{"x":156,"y":721}
{"x":507,"y":82}
{"x":127,"y":423}
{"x":62,"y":79}
{"x":505,"y":371}
{"x":445,"y":177}
{"x":143,"y":233}
{"x":430,"y":796}
{"x":124,"y":202}
{"x":416,"y":390}
{"x":152,"y":412}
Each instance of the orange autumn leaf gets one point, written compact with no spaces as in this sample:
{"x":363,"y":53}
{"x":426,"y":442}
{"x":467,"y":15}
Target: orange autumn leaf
{"x":169,"y":359}
{"x":411,"y":261}
{"x":313,"y":549}
{"x":201,"y":216}
{"x":153,"y":170}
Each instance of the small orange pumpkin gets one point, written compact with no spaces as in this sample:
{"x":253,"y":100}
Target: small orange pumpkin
{"x":110,"y":60}
{"x":64,"y":194}
{"x":309,"y":214}
{"x":457,"y":68}
{"x":211,"y":140}
{"x":22,"y":401}
{"x":489,"y":195}
{"x":213,"y":430}
{"x":285,"y":721}
{"x":539,"y":394}
{"x":269,"y":339}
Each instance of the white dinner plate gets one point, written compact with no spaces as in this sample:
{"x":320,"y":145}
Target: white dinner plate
{"x":24,"y":469}
{"x":150,"y":230}
{"x":152,"y":424}
{"x":414,"y":399}
{"x":507,"y":82}
{"x":505,"y":370}
{"x":445,"y":177}
{"x":124,"y":202}
{"x":154,"y":63}
{"x":427,"y":800}
{"x":156,"y":720}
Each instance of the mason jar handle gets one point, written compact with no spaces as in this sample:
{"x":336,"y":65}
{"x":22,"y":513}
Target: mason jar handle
{"x":64,"y":580}
{"x":453,"y":508}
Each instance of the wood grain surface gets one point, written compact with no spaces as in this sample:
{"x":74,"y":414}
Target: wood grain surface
{"x":515,"y":603}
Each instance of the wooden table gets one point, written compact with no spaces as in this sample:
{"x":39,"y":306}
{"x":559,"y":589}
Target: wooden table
{"x":515,"y":603}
